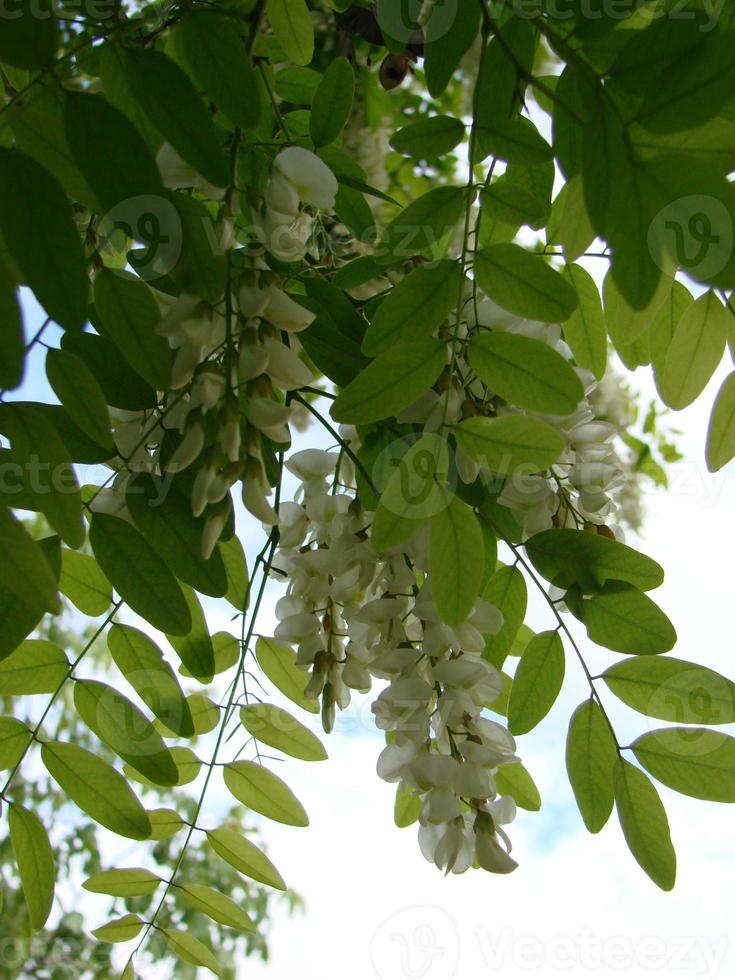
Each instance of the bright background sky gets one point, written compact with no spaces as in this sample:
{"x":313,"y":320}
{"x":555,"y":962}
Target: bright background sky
{"x":577,"y":906}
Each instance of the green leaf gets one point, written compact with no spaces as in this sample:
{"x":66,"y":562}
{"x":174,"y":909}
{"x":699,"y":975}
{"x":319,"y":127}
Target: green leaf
{"x":567,"y":557}
{"x":201,"y":268}
{"x":117,"y":722}
{"x":204,"y":712}
{"x":424,"y":227}
{"x":164,"y":823}
{"x":330,"y":111}
{"x":143,"y":665}
{"x":506,"y":590}
{"x":520,"y":196}
{"x":30,"y":34}
{"x":277,"y":728}
{"x":673,"y":690}
{"x":191,"y":950}
{"x":35,"y":667}
{"x":575,"y":232}
{"x":123,"y":882}
{"x":278,"y":663}
{"x":129,"y":316}
{"x":663,"y":327}
{"x":16,"y":617}
{"x":97,"y":789}
{"x":238,"y":580}
{"x":695,"y":761}
{"x":515,"y":780}
{"x":37,"y":447}
{"x":298,"y":85}
{"x":195,"y":647}
{"x":24,"y":569}
{"x":120,"y":930}
{"x":291,"y":23}
{"x":79,"y":392}
{"x":692,"y":94}
{"x":96,"y":130}
{"x":524,"y":284}
{"x":36,"y":223}
{"x":456,"y":560}
{"x":264,"y":792}
{"x":429,"y":138}
{"x":12,"y":340}
{"x":537,"y":682}
{"x":82,"y":581}
{"x":645,"y":826}
{"x":35,"y":861}
{"x":414,"y":490}
{"x":168,"y":98}
{"x":391,"y":382}
{"x":220,"y":63}
{"x":510,"y":443}
{"x":591,"y":756}
{"x":245,"y":857}
{"x":187,"y":765}
{"x":526,"y":372}
{"x":695,"y":351}
{"x":415,"y":308}
{"x":449,"y":34}
{"x":407,"y":807}
{"x":122,"y":387}
{"x":721,"y":431}
{"x":15,"y":737}
{"x":622,"y":618}
{"x":218,"y":907}
{"x":138,"y":574}
{"x":585,"y":330}
{"x":625,"y":324}
{"x":162,"y":513}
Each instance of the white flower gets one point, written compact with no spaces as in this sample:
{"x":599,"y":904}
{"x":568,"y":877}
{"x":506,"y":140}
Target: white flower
{"x":285,"y":313}
{"x":310,"y":177}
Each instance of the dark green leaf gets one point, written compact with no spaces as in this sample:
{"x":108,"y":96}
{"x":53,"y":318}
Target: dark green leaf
{"x":330,"y":111}
{"x":139,"y":575}
{"x":79,"y":392}
{"x":36,"y":223}
{"x":24,"y":569}
{"x":95,"y":130}
{"x":424,"y":227}
{"x":163,"y":514}
{"x":220,"y":63}
{"x":429,"y":138}
{"x":129,"y":315}
{"x":12,"y":340}
{"x":29,"y":35}
{"x":449,"y":34}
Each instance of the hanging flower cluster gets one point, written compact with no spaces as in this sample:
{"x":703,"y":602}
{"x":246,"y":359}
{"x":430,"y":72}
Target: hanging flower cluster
{"x":356,"y":615}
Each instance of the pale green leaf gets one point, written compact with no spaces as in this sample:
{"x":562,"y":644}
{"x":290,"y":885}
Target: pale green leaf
{"x":537,"y":682}
{"x":277,"y":728}
{"x":264,"y":792}
{"x":645,"y":825}
{"x":591,"y":755}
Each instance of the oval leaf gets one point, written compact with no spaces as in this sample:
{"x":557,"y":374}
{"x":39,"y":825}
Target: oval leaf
{"x":537,"y":682}
{"x":277,"y":728}
{"x":265,"y":793}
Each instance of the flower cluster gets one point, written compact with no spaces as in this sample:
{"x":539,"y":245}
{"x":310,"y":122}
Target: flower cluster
{"x":235,"y":362}
{"x":354,"y":616}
